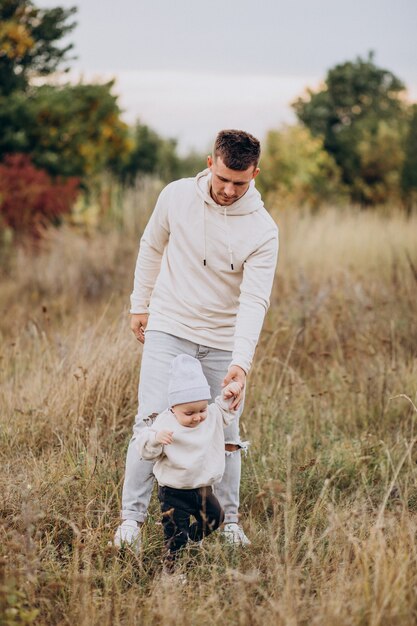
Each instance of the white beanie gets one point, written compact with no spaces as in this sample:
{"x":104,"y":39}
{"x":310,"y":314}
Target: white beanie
{"x":187,"y":382}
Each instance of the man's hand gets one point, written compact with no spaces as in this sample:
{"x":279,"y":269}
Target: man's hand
{"x":232,"y":390}
{"x":164,"y":436}
{"x":138,"y":323}
{"x":236,"y":373}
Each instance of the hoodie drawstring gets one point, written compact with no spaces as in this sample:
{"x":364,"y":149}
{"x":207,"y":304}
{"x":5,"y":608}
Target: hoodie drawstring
{"x":204,"y":233}
{"x":229,"y":245}
{"x":249,"y":203}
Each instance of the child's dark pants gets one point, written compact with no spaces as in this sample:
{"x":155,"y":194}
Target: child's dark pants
{"x":177,"y":505}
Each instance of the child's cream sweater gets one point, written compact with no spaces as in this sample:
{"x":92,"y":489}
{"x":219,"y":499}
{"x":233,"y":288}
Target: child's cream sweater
{"x":196,"y":457}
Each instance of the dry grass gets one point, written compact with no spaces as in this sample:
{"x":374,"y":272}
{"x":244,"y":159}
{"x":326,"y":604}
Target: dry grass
{"x":329,"y":488}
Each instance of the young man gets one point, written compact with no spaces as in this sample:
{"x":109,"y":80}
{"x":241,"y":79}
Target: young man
{"x":202,"y":284}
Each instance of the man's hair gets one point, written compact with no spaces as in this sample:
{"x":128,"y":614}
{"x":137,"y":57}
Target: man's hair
{"x":237,"y":149}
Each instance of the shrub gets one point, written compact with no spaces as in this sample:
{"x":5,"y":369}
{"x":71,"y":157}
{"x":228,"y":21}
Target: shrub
{"x":30,"y":200}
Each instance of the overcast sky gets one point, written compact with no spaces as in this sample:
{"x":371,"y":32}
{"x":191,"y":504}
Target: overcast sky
{"x":189,"y":68}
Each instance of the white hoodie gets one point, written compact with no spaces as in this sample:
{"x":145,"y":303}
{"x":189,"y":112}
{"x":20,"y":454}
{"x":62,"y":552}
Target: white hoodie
{"x":204,"y":272}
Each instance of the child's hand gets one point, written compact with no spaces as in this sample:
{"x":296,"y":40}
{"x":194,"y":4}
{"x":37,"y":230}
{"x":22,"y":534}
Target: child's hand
{"x":235,"y":374}
{"x":164,"y":436}
{"x":232,"y":390}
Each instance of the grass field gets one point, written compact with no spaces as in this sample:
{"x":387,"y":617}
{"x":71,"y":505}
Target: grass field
{"x":329,"y":486}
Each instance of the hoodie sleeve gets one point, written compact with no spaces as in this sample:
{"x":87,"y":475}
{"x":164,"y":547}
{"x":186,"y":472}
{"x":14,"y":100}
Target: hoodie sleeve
{"x":151,"y":249}
{"x":255,"y":291}
{"x":222,"y":407}
{"x":147,"y":447}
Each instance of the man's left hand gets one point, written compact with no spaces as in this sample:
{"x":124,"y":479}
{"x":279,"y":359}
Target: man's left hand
{"x":237,"y":374}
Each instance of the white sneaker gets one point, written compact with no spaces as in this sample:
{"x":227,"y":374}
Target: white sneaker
{"x":128,"y":535}
{"x":234,"y":534}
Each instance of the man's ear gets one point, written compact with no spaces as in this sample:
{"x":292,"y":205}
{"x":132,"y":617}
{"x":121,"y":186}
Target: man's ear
{"x":209,"y":160}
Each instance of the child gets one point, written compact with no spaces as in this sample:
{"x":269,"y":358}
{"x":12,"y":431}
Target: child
{"x":187,"y":442}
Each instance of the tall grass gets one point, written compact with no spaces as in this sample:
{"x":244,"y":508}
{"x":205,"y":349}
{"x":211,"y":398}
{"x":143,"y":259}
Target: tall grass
{"x":329,"y":486}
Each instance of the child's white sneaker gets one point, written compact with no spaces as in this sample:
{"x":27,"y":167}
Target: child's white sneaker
{"x":234,"y":534}
{"x":128,"y":535}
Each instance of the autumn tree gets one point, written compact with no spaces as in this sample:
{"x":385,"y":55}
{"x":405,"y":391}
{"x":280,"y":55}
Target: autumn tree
{"x":53,"y":138}
{"x":155,"y":155}
{"x":409,"y":170}
{"x":67,"y":130}
{"x":297,"y":169}
{"x":30,"y":200}
{"x":30,"y":42}
{"x":358,"y":103}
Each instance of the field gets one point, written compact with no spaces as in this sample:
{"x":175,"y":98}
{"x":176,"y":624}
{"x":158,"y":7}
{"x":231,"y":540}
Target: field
{"x":329,"y":486}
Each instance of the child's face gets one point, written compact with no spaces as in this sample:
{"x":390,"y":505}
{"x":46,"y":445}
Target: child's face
{"x":190,"y":414}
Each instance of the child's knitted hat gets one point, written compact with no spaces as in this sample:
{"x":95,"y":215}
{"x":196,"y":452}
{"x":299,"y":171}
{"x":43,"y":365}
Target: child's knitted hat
{"x":187,"y":382}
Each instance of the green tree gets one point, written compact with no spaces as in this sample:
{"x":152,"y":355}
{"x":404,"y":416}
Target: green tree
{"x":150,"y":154}
{"x":357,"y":97}
{"x":67,"y":130}
{"x":296,"y":169}
{"x":409,"y":170}
{"x":29,"y":42}
{"x":192,"y":163}
{"x":380,"y":156}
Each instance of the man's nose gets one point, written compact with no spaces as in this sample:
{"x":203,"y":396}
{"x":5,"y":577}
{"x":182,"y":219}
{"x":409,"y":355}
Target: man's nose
{"x":229,"y":189}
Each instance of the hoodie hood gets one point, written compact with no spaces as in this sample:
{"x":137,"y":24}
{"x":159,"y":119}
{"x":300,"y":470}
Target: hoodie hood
{"x":251,"y":201}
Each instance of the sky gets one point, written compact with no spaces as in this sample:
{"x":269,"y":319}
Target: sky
{"x":188,"y":68}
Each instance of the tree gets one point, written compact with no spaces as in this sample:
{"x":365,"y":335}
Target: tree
{"x":67,"y":130}
{"x":29,"y":199}
{"x":409,"y":170}
{"x":380,"y":154}
{"x":192,"y":163}
{"x":297,"y":170}
{"x":357,"y":97}
{"x":150,"y":154}
{"x":29,"y":45}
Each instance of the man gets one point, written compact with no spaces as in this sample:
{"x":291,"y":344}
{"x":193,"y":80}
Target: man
{"x":202,"y":284}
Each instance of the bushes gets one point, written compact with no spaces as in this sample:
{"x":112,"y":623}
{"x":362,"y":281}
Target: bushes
{"x":30,"y":199}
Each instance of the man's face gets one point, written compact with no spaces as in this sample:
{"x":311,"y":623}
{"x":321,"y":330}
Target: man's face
{"x":228,"y":185}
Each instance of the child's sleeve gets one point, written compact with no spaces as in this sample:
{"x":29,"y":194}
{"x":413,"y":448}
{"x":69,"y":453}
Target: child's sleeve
{"x":148,"y":448}
{"x":223,"y":407}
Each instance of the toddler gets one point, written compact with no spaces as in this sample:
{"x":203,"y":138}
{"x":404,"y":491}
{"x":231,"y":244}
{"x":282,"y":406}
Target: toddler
{"x":187,"y":443}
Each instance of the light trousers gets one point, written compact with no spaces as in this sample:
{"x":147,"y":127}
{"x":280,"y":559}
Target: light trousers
{"x":158,"y":351}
